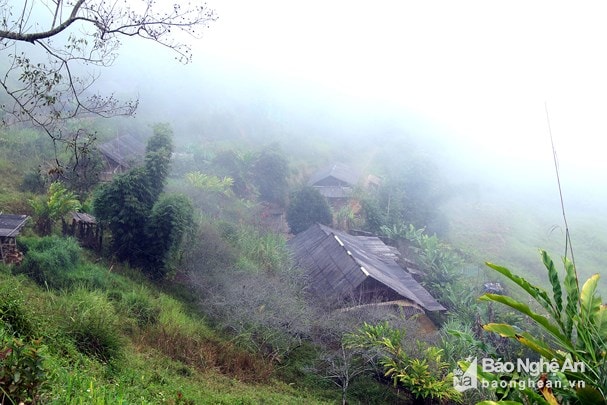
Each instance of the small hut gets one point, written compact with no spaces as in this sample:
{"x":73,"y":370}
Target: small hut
{"x":120,"y":154}
{"x":85,"y":228}
{"x":10,"y":226}
{"x":335,"y":182}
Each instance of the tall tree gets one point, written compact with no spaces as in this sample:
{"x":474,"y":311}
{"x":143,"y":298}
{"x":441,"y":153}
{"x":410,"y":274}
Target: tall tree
{"x":126,"y":203}
{"x":270,"y":172}
{"x":167,"y":224}
{"x":46,"y":42}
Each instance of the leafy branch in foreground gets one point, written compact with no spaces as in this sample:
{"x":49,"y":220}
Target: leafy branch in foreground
{"x":574,"y":319}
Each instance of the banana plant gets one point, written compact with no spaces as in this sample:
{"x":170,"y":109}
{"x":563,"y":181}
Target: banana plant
{"x":575,"y":321}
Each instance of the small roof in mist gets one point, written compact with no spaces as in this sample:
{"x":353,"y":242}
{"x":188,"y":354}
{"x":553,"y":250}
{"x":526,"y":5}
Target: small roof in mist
{"x":338,"y":171}
{"x":124,"y":150}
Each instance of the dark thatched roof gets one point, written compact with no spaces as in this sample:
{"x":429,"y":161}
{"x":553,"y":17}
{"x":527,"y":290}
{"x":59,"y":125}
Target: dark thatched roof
{"x":338,"y":264}
{"x":83,"y":218}
{"x":338,"y":171}
{"x":124,"y":150}
{"x":11,"y":224}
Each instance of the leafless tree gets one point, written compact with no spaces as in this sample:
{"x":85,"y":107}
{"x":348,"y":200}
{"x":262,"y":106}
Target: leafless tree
{"x":45,"y":44}
{"x":343,"y":365}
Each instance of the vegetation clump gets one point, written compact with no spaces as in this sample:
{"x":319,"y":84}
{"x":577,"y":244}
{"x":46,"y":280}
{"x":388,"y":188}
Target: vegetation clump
{"x":307,"y":207}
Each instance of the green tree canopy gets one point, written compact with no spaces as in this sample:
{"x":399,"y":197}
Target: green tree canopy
{"x":307,"y":207}
{"x":271,"y":171}
{"x":169,"y":220}
{"x":126,"y":204}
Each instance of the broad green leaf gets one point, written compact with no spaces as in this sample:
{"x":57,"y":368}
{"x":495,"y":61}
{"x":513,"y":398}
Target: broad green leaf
{"x":539,"y":319}
{"x":573,"y":293}
{"x":538,"y":346}
{"x":553,"y":276}
{"x":590,"y":302}
{"x":590,"y":395}
{"x":601,"y":322}
{"x":499,"y":403}
{"x":537,"y":293}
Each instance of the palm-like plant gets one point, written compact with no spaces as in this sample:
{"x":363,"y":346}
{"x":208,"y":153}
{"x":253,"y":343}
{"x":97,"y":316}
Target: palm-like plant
{"x":58,"y":202}
{"x":574,"y":319}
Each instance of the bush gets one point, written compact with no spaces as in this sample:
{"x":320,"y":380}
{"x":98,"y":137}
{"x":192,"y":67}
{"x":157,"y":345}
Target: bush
{"x":22,"y":371}
{"x":48,"y":260}
{"x":13,"y":313}
{"x":139,"y":306}
{"x":91,"y":321}
{"x":306,"y":208}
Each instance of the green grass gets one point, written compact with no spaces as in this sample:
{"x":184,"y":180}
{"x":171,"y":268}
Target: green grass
{"x":123,"y":341}
{"x":511,"y":234}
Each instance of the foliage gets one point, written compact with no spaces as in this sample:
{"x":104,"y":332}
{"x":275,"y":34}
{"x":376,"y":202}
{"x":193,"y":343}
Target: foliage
{"x":307,"y":207}
{"x":270,"y":172}
{"x":139,"y":306}
{"x":125,"y":204}
{"x":167,"y":352}
{"x":267,"y":314}
{"x":15,"y":315}
{"x":346,"y":217}
{"x":166,"y":226}
{"x":158,"y":159}
{"x":574,"y":320}
{"x":426,"y":377}
{"x":33,"y":181}
{"x":84,"y":175}
{"x":146,"y":228}
{"x":50,"y":260}
{"x":59,"y":202}
{"x":91,"y":321}
{"x":412,"y":193}
{"x":441,"y":265}
{"x":372,"y":215}
{"x":210,"y":183}
{"x":23,"y":376}
{"x":261,"y":250}
{"x":237,"y":166}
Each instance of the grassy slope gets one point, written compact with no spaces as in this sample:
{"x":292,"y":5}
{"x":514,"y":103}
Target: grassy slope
{"x":177,"y":359}
{"x":510,"y":234}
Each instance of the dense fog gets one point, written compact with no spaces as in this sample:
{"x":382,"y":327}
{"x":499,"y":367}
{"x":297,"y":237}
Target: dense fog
{"x":470,"y":84}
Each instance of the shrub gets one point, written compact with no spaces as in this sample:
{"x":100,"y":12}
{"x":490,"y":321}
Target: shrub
{"x":91,"y":321}
{"x":13,"y":313}
{"x":22,"y":371}
{"x":307,"y":207}
{"x":573,"y":326}
{"x":141,"y":307}
{"x":48,"y":260}
{"x":170,"y":219}
{"x":426,"y":377}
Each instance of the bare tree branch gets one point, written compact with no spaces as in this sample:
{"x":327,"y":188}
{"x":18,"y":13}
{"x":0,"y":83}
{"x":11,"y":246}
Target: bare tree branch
{"x":45,"y":91}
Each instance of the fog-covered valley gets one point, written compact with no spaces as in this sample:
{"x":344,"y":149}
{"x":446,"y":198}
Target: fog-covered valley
{"x":308,"y":206}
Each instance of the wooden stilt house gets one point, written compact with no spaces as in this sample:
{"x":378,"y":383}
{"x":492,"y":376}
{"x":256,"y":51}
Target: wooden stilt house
{"x":354,"y":270}
{"x":10,"y":226}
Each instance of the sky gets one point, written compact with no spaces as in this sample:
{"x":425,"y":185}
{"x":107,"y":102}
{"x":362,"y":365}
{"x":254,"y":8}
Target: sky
{"x":484,"y":72}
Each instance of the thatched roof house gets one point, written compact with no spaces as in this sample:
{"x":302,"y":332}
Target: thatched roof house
{"x":335,"y":181}
{"x":10,"y":226}
{"x":120,"y":155}
{"x":342,"y":266}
